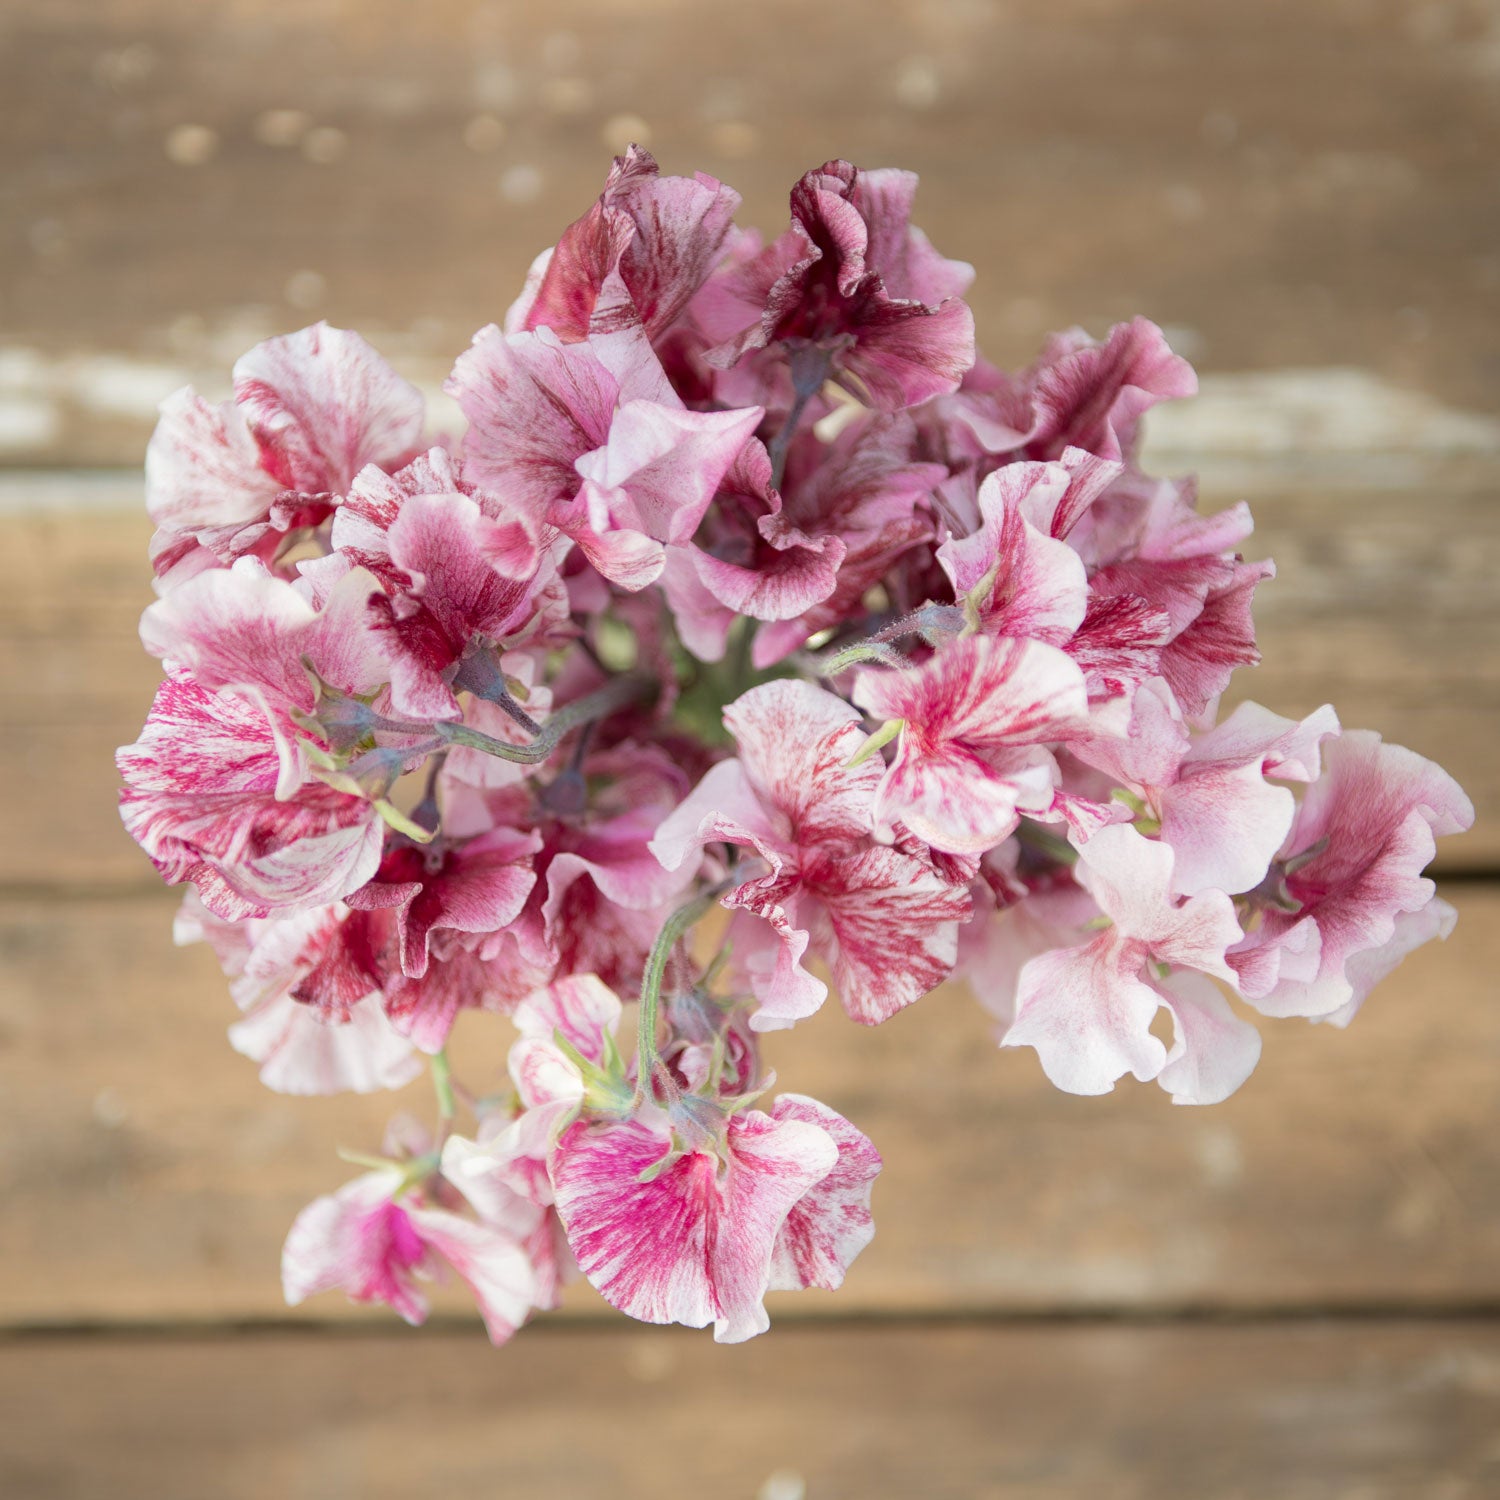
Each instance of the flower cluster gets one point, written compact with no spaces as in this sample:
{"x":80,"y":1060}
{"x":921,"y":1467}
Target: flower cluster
{"x":749,"y":594}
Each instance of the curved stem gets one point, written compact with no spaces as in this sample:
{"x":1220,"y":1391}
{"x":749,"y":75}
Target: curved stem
{"x":596,"y":705}
{"x":672,"y":932}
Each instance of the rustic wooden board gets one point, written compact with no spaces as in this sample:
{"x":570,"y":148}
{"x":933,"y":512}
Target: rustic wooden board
{"x":1385,"y":605}
{"x":1403,"y":1411}
{"x":1285,"y":185}
{"x":147,"y":1175}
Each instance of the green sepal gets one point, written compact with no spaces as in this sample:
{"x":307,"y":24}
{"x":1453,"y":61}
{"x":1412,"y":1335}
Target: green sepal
{"x":875,"y":742}
{"x":396,"y":819}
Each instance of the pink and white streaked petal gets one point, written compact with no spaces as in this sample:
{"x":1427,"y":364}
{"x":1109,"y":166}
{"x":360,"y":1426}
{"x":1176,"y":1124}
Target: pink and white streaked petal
{"x":322,"y":404}
{"x":982,"y":693}
{"x":685,"y":1247}
{"x":769,"y":949}
{"x":203,"y":468}
{"x":1364,"y":833}
{"x":644,"y":1246}
{"x":796,"y":741}
{"x":629,"y":559}
{"x":1038,"y":586}
{"x":900,"y":252}
{"x":723,"y":807}
{"x":359,"y":1241}
{"x":1092,"y":395}
{"x":233,"y":628}
{"x":961,"y":802}
{"x":774,"y":1162}
{"x":580,"y":1006}
{"x":887,"y":924}
{"x":831,"y":1223}
{"x":489,"y":1260}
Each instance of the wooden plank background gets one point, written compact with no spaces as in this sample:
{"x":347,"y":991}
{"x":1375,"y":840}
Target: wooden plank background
{"x":1295,"y":1294}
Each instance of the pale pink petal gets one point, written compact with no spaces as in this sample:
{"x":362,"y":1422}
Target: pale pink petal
{"x":1213,"y":1050}
{"x":1089,"y":1017}
{"x":1225,"y":826}
{"x":793,"y":573}
{"x":1364,"y":970}
{"x":301,"y":1053}
{"x":723,"y":807}
{"x":661,"y":465}
{"x":1131,"y":878}
{"x":1222,"y":819}
{"x":701,"y":617}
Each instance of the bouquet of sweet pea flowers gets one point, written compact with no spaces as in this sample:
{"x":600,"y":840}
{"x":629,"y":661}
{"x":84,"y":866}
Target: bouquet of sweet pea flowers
{"x":756,"y":638}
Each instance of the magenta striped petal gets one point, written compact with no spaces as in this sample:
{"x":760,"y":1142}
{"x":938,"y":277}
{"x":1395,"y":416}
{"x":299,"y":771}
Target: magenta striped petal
{"x":830,"y":1224}
{"x":694,"y":1244}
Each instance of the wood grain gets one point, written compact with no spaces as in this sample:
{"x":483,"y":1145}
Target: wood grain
{"x":1383,"y":1411}
{"x":1285,"y":185}
{"x":149,"y":1176}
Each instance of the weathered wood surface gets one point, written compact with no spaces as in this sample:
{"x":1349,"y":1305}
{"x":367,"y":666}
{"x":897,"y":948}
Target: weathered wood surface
{"x":1286,"y":185}
{"x":149,"y":1176}
{"x":1303,"y":195}
{"x":1383,"y":1411}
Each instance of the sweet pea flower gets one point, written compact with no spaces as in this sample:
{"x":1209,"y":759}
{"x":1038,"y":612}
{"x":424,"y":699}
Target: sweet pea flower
{"x":338,"y":1046}
{"x":376,"y":1239}
{"x":853,"y":281}
{"x":1088,"y":1009}
{"x":635,"y":259}
{"x":688,"y":1213}
{"x":1090,"y":394}
{"x":589,"y":440}
{"x":972,"y":755}
{"x":310,"y":410}
{"x":884,"y":920}
{"x":203,"y":799}
{"x":1346,"y":898}
{"x":439,"y":735}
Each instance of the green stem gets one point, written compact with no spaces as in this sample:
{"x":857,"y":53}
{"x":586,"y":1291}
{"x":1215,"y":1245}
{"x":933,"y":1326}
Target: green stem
{"x":596,"y":705}
{"x":1046,"y":843}
{"x":672,"y":932}
{"x":442,"y":1084}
